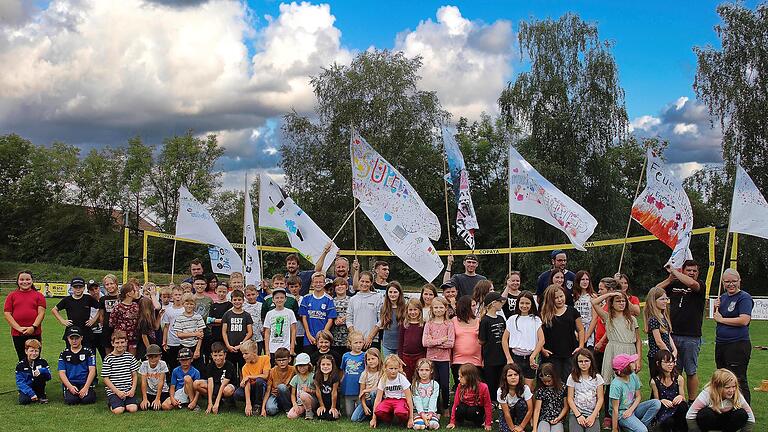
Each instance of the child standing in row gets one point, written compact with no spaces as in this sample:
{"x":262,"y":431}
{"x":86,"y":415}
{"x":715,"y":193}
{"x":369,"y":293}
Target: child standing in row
{"x":658,"y":328}
{"x":515,"y":399}
{"x":352,"y":366}
{"x":189,"y":328}
{"x":410,"y":347}
{"x":125,"y":315}
{"x":253,"y":307}
{"x":391,"y":314}
{"x":339,"y":329}
{"x":585,"y":393}
{"x":438,"y":339}
{"x":236,"y":328}
{"x":369,"y":382}
{"x":523,"y":337}
{"x":428,"y":293}
{"x":425,"y":392}
{"x":279,"y":325}
{"x":317,"y":313}
{"x":472,"y":402}
{"x":563,"y":332}
{"x":394,"y":399}
{"x":362,"y":309}
{"x":490,"y":333}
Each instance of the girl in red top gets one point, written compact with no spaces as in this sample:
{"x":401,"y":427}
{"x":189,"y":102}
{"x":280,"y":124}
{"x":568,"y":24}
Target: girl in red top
{"x":409,"y":346}
{"x":125,"y":315}
{"x":24,"y":310}
{"x":472,"y":402}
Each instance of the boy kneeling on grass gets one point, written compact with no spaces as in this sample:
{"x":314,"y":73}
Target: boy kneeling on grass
{"x":254,"y":375}
{"x":77,"y":369}
{"x":154,"y":387}
{"x":220,"y":375}
{"x":182,"y":390}
{"x":32,"y":374}
{"x":119,"y":372}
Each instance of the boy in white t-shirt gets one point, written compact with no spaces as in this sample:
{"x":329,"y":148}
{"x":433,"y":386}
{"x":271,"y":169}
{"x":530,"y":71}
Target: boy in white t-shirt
{"x":279,"y":326}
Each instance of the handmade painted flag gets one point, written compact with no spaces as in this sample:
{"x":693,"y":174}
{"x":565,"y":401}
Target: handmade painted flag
{"x":195,"y":222}
{"x":533,"y":195}
{"x":395,"y":209}
{"x":466,"y":220}
{"x":749,"y":210}
{"x":663,"y":209}
{"x":252,"y":267}
{"x":278,"y":211}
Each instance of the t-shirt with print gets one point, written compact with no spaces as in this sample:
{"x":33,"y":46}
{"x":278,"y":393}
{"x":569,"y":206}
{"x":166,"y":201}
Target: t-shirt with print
{"x":394,"y":388}
{"x":279,"y":323}
{"x":340,"y":332}
{"x":155,"y":375}
{"x":686,"y":308}
{"x":509,"y":306}
{"x":731,"y":306}
{"x":318,"y":311}
{"x":352,"y":365}
{"x":237,"y":326}
{"x":106,"y":304}
{"x":219,"y":374}
{"x":303,"y":385}
{"x":511,"y":399}
{"x":77,"y":365}
{"x":624,"y":391}
{"x":585,"y":392}
{"x":203,"y":306}
{"x":490,"y":333}
{"x":552,"y":402}
{"x":326,"y":391}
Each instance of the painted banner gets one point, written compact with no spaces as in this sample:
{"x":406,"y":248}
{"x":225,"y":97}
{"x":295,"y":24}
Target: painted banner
{"x":53,"y":289}
{"x":278,"y":211}
{"x":531,"y":194}
{"x":252,"y":267}
{"x":395,"y":209}
{"x":749,"y":210}
{"x":195,"y":222}
{"x":663,"y":209}
{"x":466,"y":220}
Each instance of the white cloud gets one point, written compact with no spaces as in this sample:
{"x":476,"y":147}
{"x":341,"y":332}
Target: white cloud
{"x":468,"y":63}
{"x":685,"y":169}
{"x":644,"y":122}
{"x":686,"y":128}
{"x":680,"y":102}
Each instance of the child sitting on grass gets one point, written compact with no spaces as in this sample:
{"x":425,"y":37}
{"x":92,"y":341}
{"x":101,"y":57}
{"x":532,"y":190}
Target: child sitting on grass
{"x":31,"y":375}
{"x":77,"y":369}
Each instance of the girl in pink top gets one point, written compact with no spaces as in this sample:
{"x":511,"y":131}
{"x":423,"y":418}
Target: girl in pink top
{"x":438,"y":338}
{"x":466,"y":348}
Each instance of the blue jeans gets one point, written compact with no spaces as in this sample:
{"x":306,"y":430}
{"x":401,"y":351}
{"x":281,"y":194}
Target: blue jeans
{"x":386,"y":351}
{"x":641,"y":419}
{"x":359,"y":415}
{"x":257,"y":393}
{"x":281,"y":402}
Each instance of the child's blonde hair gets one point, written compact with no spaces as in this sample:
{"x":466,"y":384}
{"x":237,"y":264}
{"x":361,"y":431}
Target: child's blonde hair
{"x":651,"y":310}
{"x":413,"y":303}
{"x":720,"y":379}
{"x":186,"y":286}
{"x":442,"y":301}
{"x":188,"y":297}
{"x":249,"y":347}
{"x":393,"y":358}
{"x":251,"y":287}
{"x":325,"y":335}
{"x":352,"y":336}
{"x":166,"y":290}
{"x":236,"y":275}
{"x":416,"y":377}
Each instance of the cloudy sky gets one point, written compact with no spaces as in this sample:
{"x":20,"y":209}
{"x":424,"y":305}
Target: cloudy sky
{"x":94,"y":73}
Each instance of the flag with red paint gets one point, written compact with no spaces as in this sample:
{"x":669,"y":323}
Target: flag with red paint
{"x":663,"y":209}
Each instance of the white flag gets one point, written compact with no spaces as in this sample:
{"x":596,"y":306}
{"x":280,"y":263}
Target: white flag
{"x":663,"y":209}
{"x":749,"y":210}
{"x":252,"y":270}
{"x":395,"y":209}
{"x":278,"y":211}
{"x":532,"y":195}
{"x":196,"y":223}
{"x":466,"y":220}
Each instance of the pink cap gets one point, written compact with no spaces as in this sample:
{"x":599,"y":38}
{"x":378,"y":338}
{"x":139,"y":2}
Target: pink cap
{"x":623,"y":360}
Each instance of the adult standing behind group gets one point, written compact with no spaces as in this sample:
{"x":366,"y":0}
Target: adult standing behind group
{"x":686,"y":310}
{"x":559,"y":262}
{"x":733,"y":312}
{"x":195,"y":269}
{"x":464,"y":282}
{"x":24,"y":310}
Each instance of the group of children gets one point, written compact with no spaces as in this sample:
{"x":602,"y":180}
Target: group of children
{"x":379,"y":357}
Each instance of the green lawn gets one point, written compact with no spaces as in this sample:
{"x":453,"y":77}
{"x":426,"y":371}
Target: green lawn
{"x":57,"y":416}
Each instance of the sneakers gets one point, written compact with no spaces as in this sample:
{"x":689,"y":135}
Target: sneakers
{"x":43,"y":401}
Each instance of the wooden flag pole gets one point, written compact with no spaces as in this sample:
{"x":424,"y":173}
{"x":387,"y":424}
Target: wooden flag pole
{"x":244,"y":227}
{"x":629,"y":220}
{"x":509,"y":214}
{"x":727,"y":233}
{"x":173,"y":260}
{"x":354,"y":223}
{"x":261,"y":252}
{"x":345,"y":221}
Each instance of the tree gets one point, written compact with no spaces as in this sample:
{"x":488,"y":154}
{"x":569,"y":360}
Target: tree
{"x":377,"y":94}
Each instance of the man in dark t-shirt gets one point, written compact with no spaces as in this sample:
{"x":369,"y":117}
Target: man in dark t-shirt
{"x":686,"y":310}
{"x":559,"y":261}
{"x":464,"y":282}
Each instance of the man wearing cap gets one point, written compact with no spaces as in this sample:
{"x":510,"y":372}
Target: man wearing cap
{"x":77,"y":369}
{"x":464,"y":282}
{"x":78,"y":307}
{"x":559,"y":261}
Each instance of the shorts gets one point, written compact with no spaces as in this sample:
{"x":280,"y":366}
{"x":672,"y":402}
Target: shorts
{"x":163,"y":396}
{"x":113,"y":401}
{"x":181,"y":396}
{"x":688,"y":348}
{"x":524,"y":363}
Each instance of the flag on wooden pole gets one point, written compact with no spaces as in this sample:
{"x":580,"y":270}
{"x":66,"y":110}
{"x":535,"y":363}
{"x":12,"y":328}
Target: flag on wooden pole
{"x":749,"y":209}
{"x":458,"y":178}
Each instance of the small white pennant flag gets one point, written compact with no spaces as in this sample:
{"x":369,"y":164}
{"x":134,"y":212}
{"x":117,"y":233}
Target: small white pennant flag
{"x":749,"y":210}
{"x":252,"y":267}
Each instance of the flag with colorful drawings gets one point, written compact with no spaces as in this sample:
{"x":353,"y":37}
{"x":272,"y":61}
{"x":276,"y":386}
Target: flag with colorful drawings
{"x":663,"y":209}
{"x":458,"y":178}
{"x":395,"y":209}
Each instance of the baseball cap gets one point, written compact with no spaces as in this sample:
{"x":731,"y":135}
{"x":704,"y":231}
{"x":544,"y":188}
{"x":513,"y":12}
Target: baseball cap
{"x":623,"y":360}
{"x":184,"y":354}
{"x":278,"y":290}
{"x":470,"y":257}
{"x":328,"y":284}
{"x":447,"y":285}
{"x":73,"y":331}
{"x":491,"y":297}
{"x":302,"y":359}
{"x":154,"y":349}
{"x":92,"y":283}
{"x":555,"y":253}
{"x":77,"y":281}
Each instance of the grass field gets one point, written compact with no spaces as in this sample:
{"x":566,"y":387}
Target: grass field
{"x":57,"y":416}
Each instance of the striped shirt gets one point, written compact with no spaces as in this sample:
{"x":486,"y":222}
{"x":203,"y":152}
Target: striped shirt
{"x":188,"y":324}
{"x":119,"y":369}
